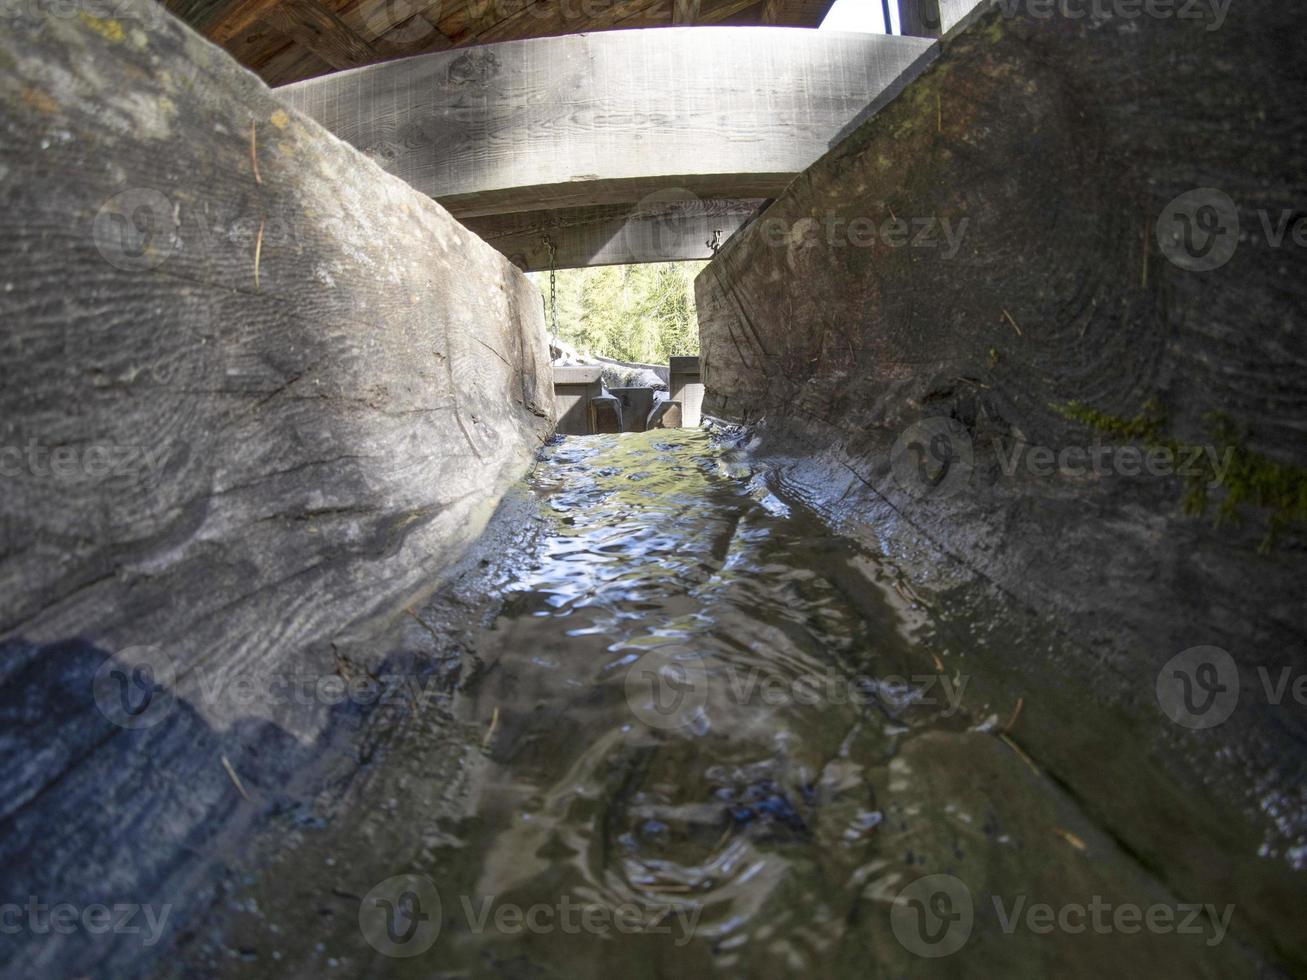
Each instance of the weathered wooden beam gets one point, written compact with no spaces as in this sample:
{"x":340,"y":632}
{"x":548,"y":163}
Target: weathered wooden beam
{"x":670,"y":227}
{"x":313,"y":26}
{"x":934,"y":18}
{"x":794,"y":13}
{"x":685,"y":12}
{"x":1066,"y":287}
{"x":918,"y":18}
{"x":610,"y":117}
{"x":321,"y":31}
{"x":262,"y":393}
{"x":722,"y":11}
{"x":223,"y":23}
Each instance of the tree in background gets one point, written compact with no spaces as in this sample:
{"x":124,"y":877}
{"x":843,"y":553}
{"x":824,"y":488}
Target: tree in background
{"x":641,"y":313}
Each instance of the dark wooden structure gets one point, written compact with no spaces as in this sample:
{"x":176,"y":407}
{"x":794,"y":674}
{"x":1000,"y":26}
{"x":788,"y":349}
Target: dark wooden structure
{"x":610,"y":145}
{"x":287,"y":40}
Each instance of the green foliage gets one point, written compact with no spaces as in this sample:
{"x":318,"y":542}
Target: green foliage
{"x":641,"y":313}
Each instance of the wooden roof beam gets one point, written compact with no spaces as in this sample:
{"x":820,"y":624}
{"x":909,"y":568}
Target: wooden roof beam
{"x":611,"y":117}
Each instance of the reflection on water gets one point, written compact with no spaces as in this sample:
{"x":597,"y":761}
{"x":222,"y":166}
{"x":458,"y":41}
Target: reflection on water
{"x":682,"y":701}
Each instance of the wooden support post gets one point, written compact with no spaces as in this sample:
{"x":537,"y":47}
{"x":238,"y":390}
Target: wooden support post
{"x":574,"y":387}
{"x":686,"y":387}
{"x":919,"y":18}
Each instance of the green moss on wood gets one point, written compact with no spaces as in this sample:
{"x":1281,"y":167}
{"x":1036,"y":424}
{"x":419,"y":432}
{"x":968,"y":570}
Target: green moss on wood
{"x":1145,"y":427}
{"x":1249,"y":477}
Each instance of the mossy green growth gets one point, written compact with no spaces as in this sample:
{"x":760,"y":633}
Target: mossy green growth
{"x":1249,"y":477}
{"x":1145,"y":427}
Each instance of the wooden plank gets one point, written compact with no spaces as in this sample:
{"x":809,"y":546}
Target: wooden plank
{"x":720,"y":11}
{"x":235,"y":19}
{"x":294,"y":63}
{"x":465,"y":20}
{"x":417,"y":35}
{"x":685,"y":12}
{"x":610,"y":117}
{"x":289,"y":398}
{"x":918,"y":18}
{"x":197,"y":13}
{"x":374,"y":19}
{"x":624,"y":192}
{"x":655,"y":13}
{"x":260,"y":45}
{"x":398,"y":28}
{"x":795,"y":13}
{"x":321,"y":31}
{"x":674,"y":228}
{"x":935,"y":18}
{"x":544,"y":18}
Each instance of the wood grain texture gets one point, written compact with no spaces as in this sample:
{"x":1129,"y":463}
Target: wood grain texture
{"x":419,"y":26}
{"x":676,"y":226}
{"x":612,"y":117}
{"x":254,"y":393}
{"x":319,"y":30}
{"x":791,"y":13}
{"x":1059,"y":291}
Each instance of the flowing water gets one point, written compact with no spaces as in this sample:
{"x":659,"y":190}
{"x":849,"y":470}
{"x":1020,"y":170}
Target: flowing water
{"x":701,"y":735}
{"x":690,"y":706}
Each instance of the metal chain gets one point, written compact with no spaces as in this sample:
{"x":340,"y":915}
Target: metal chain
{"x":553,"y":287}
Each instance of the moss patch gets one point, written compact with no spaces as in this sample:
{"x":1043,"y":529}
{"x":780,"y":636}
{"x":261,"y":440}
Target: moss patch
{"x":107,"y":28}
{"x":1250,"y":478}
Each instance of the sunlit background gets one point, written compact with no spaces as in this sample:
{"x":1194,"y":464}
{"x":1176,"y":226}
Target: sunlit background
{"x":646,"y":313}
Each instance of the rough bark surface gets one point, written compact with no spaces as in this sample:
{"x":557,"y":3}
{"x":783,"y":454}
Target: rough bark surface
{"x":255,"y":393}
{"x":1060,"y":143}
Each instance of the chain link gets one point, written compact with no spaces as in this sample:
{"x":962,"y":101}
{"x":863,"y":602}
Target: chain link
{"x":553,"y":287}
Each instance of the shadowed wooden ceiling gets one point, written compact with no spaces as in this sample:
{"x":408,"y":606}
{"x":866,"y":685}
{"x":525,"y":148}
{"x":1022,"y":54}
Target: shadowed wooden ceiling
{"x":288,"y":40}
